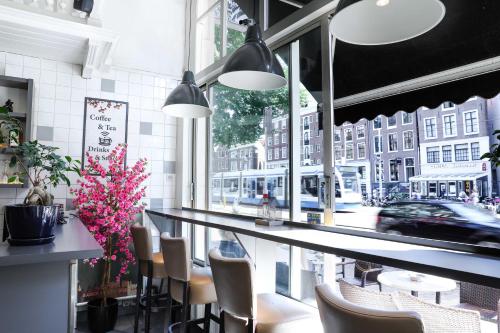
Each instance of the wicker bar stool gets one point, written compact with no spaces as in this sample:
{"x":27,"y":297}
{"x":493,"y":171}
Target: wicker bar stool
{"x":151,"y":266}
{"x":187,"y":285}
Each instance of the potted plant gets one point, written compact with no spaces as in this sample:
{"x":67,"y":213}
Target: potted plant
{"x":108,"y":200}
{"x":10,"y":128}
{"x":34,"y":221}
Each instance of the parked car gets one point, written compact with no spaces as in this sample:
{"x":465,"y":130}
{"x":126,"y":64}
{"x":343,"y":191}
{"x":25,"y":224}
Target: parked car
{"x":443,"y":220}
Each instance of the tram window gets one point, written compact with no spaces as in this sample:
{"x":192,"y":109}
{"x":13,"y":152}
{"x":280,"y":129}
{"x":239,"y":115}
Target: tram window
{"x":260,"y":185}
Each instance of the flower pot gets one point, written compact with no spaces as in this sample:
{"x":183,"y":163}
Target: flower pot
{"x":102,"y":317}
{"x":31,"y":224}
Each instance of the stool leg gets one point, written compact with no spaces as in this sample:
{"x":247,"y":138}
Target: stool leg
{"x":149,"y":288}
{"x":206,"y":321}
{"x":185,"y":306}
{"x":169,"y":304}
{"x":138,"y":301}
{"x":221,"y":324}
{"x":250,"y":326}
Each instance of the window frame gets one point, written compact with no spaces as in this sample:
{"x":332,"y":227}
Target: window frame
{"x":412,"y":140}
{"x":395,"y":135}
{"x":455,"y":127}
{"x":476,"y":111}
{"x":435,"y":128}
{"x":403,"y":113}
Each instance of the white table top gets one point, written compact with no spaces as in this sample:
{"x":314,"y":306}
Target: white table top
{"x":402,"y":280}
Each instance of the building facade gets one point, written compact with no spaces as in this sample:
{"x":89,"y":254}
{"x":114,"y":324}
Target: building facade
{"x":452,"y":140}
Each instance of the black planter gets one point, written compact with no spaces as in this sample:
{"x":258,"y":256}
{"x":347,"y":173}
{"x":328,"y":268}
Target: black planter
{"x":102,"y":318}
{"x":84,"y":5}
{"x":31,"y":224}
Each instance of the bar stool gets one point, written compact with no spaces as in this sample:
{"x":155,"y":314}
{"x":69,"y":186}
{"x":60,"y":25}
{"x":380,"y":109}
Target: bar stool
{"x":245,"y":312}
{"x":187,"y":285}
{"x":151,"y":265}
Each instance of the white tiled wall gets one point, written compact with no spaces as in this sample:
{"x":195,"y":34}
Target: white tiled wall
{"x":58,"y":109}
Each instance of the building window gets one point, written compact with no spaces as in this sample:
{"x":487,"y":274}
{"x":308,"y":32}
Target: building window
{"x":337,"y":135}
{"x":270,"y":141}
{"x":276,"y":153}
{"x":447,"y":106}
{"x":276,"y":125}
{"x":306,"y":139}
{"x":432,"y":154}
{"x":283,"y":152}
{"x":378,"y":144}
{"x":360,"y":130}
{"x":270,"y":155}
{"x":461,"y":152}
{"x":449,"y":125}
{"x":471,"y":122}
{"x":447,"y":153}
{"x":394,"y":170}
{"x":406,"y":118}
{"x":410,"y":168}
{"x":307,"y":154}
{"x":276,"y":138}
{"x":338,"y":153}
{"x":283,"y":138}
{"x":391,"y":121}
{"x":362,"y":171}
{"x":377,"y":122}
{"x":393,"y":142}
{"x":408,"y":140}
{"x":318,"y":148}
{"x":349,"y":151}
{"x":348,"y":134}
{"x":283,"y":124}
{"x":306,"y":122}
{"x":361,"y":150}
{"x":430,"y":128}
{"x":474,"y":151}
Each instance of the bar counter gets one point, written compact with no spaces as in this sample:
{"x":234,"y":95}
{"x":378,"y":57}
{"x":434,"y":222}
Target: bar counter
{"x":461,"y":266}
{"x":37,"y":283}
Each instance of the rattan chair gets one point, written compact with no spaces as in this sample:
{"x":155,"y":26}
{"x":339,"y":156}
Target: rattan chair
{"x":368,"y":298}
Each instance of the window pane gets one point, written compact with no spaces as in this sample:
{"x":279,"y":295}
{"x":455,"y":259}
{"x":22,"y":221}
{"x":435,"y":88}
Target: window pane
{"x":249,"y":155}
{"x":208,"y":38}
{"x":235,"y":31}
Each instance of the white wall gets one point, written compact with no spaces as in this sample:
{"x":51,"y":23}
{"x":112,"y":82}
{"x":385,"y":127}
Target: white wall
{"x":152,"y":33}
{"x":58,"y":109}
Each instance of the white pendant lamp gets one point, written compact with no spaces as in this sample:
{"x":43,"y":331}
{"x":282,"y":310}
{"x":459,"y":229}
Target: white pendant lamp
{"x":379,"y":22}
{"x":187,"y":100}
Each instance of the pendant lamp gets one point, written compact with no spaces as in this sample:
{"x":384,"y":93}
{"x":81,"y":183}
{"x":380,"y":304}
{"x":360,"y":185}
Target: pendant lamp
{"x":379,"y":22}
{"x":253,"y":66}
{"x":187,"y":100}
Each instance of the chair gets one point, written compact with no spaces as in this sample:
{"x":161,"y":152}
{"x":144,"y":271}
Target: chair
{"x":151,"y":265}
{"x":438,"y":318}
{"x":367,"y":298}
{"x":480,"y":298}
{"x":187,"y":285}
{"x":367,"y":273}
{"x":339,"y":315}
{"x":242,"y":311}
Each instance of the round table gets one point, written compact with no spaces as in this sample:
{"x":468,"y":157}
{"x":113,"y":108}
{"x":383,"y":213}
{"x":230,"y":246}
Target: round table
{"x":426,"y":283}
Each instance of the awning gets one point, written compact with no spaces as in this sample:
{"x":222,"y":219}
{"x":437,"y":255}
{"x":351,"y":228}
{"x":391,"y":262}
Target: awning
{"x":468,"y":34}
{"x":448,"y":177}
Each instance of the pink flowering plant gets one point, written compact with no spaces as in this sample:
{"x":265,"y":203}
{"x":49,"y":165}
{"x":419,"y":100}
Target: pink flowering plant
{"x":108,"y":200}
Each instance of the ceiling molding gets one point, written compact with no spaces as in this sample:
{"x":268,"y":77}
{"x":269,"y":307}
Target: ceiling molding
{"x":44,"y":36}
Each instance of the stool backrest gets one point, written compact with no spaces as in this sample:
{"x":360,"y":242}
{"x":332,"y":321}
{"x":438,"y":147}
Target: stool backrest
{"x":233,"y":279}
{"x":177,"y":266}
{"x":143,"y":242}
{"x":339,"y":315}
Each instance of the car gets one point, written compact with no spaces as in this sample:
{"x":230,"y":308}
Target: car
{"x":442,"y":220}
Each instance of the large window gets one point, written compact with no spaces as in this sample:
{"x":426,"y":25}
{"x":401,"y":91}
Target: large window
{"x":406,"y":118}
{"x":394,"y":170}
{"x":449,"y":125}
{"x":433,"y":155}
{"x":430,"y":128}
{"x":349,"y":151}
{"x":409,"y":168}
{"x":408,"y":140}
{"x":360,"y":132}
{"x":471,"y":122}
{"x":447,"y":153}
{"x":474,"y":150}
{"x":393,"y":142}
{"x":361,"y":150}
{"x":462,"y":152}
{"x":377,"y":144}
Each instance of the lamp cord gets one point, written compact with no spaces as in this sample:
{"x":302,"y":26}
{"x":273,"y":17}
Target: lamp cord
{"x":189,"y":32}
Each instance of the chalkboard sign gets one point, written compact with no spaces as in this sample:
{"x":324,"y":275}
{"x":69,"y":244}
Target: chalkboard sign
{"x":104,"y":127}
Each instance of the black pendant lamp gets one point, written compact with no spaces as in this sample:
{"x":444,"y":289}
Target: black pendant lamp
{"x":253,"y":66}
{"x":379,"y":22}
{"x":187,"y":100}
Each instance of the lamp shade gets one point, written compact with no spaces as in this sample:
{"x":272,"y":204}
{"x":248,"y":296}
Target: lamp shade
{"x":187,"y":100}
{"x":379,"y":22}
{"x":253,"y":66}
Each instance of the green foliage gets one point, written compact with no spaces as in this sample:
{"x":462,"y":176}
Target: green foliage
{"x":42,"y":167}
{"x":494,"y":154}
{"x":8,"y":125}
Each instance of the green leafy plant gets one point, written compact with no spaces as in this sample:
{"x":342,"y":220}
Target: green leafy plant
{"x":41,"y":166}
{"x":494,"y":154}
{"x":9,"y":125}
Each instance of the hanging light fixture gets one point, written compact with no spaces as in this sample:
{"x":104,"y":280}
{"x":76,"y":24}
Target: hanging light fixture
{"x":187,"y":100}
{"x":253,"y":66}
{"x":379,"y":22}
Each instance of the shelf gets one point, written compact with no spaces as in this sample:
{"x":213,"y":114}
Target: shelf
{"x":11,"y":185}
{"x":17,"y":115}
